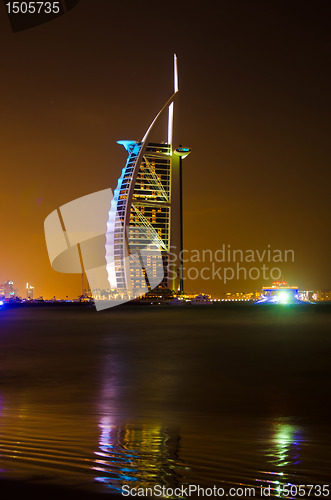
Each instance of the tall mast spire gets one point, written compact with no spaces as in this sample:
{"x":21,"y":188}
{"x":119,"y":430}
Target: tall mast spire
{"x":175,"y":74}
{"x":171,"y":107}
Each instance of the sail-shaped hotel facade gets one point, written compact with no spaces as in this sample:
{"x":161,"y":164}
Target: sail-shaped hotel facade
{"x":130,"y":241}
{"x":143,"y":239}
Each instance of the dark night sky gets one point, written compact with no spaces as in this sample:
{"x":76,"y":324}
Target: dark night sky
{"x":254,"y":106}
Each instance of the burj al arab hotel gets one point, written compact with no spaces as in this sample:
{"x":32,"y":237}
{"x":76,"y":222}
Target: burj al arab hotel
{"x":144,"y":229}
{"x":130,"y":241}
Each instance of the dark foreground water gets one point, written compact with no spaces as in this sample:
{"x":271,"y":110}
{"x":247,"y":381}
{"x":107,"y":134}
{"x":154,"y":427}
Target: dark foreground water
{"x":232,"y":396}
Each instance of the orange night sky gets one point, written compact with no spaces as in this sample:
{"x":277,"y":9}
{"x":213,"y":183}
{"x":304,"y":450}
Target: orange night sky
{"x":254,"y":106}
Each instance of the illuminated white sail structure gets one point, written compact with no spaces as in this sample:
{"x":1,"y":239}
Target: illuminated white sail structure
{"x":144,"y":225}
{"x":138,"y":237}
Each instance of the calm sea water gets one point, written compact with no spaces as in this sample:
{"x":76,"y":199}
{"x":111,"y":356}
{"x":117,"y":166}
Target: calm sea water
{"x":227,"y":396}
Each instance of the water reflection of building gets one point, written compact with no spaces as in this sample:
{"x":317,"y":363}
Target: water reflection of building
{"x":140,"y":456}
{"x":283,"y":456}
